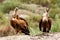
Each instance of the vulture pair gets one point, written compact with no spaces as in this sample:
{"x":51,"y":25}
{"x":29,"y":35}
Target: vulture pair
{"x":19,"y":24}
{"x":45,"y":22}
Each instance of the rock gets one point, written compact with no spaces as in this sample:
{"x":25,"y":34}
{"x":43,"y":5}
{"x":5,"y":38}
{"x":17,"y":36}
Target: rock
{"x":40,"y":10}
{"x":23,"y":13}
{"x":50,"y":36}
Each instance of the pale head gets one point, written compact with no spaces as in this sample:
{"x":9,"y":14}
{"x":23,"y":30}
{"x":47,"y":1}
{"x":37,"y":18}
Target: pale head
{"x":15,"y":12}
{"x":46,"y":12}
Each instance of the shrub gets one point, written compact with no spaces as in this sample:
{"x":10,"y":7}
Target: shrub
{"x":33,"y":27}
{"x":56,"y":26}
{"x":8,"y":5}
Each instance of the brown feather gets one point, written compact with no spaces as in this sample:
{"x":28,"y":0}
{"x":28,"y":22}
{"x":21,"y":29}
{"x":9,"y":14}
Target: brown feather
{"x":45,"y":25}
{"x":19,"y":24}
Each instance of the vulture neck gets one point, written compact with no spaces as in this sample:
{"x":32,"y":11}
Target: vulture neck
{"x":15,"y":15}
{"x":15,"y":11}
{"x":45,"y":16}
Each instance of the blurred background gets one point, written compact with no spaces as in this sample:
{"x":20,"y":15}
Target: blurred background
{"x":31,"y":10}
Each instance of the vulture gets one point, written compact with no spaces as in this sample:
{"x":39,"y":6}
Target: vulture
{"x":19,"y":24}
{"x":45,"y":22}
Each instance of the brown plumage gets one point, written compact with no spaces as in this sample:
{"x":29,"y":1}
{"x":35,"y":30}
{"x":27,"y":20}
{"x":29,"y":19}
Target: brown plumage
{"x":45,"y":22}
{"x":19,"y":24}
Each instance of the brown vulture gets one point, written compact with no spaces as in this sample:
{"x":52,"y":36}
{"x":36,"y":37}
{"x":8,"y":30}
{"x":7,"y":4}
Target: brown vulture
{"x":19,"y":24}
{"x":45,"y":22}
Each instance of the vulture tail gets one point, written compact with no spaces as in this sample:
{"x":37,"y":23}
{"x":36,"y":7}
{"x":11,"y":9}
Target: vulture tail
{"x":25,"y":31}
{"x":44,"y":29}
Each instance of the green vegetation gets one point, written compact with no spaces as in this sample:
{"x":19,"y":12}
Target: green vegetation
{"x":54,"y":12}
{"x":56,"y":26}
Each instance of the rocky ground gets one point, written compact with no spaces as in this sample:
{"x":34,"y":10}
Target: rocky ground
{"x":50,"y":36}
